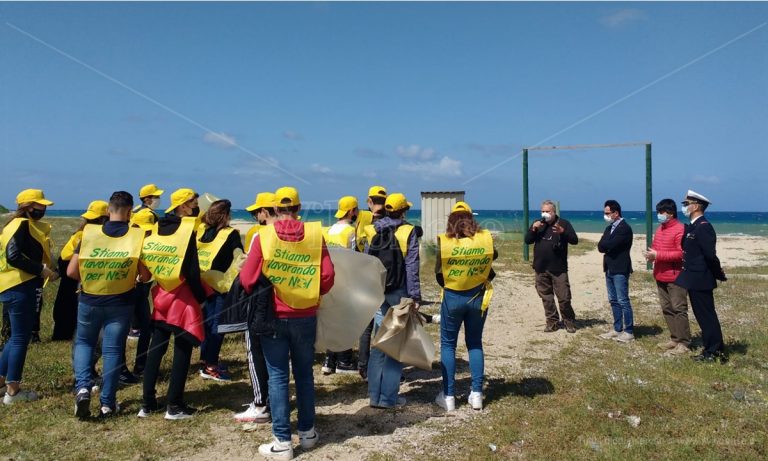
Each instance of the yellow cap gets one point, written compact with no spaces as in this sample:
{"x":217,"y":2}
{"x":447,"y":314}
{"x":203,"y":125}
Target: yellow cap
{"x":96,"y":209}
{"x":461,"y":206}
{"x":345,"y":204}
{"x":396,"y":202}
{"x":263,"y":200}
{"x":179,"y":197}
{"x":287,"y":196}
{"x":150,"y":189}
{"x":144,"y":218}
{"x":32,"y":195}
{"x":377,"y":191}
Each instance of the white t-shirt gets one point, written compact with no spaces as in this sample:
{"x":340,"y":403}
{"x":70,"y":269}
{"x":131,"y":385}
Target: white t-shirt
{"x":340,"y":226}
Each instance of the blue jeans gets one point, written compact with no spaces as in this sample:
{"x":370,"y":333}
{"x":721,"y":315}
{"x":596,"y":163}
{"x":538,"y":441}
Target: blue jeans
{"x":462,"y":307}
{"x":618,"y":296}
{"x":383,"y":371}
{"x":294,"y":339}
{"x":90,"y":320}
{"x":211,"y":345}
{"x":20,"y":302}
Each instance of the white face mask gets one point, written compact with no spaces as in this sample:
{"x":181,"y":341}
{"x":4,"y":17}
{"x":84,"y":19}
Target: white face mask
{"x":608,"y":219}
{"x":546,"y":216}
{"x":686,"y":211}
{"x":662,"y":218}
{"x":154,"y":203}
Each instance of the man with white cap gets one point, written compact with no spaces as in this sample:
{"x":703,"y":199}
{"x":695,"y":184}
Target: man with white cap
{"x":701,"y":270}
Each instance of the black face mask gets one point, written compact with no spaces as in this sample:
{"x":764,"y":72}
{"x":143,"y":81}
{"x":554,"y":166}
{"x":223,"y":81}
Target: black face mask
{"x":196,"y":211}
{"x":36,"y":214}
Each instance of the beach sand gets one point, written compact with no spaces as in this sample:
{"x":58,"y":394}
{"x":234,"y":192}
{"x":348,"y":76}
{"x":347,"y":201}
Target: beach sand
{"x":516,"y":353}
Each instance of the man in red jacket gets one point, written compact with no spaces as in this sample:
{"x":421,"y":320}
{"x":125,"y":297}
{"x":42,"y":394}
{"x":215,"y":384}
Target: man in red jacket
{"x":294,"y":257}
{"x":666,"y":253}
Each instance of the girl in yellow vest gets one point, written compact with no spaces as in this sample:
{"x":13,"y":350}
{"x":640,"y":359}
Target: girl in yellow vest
{"x":463,"y":269}
{"x":65,"y":306}
{"x":216,"y":244}
{"x":263,"y":211}
{"x":107,"y":264}
{"x":25,"y":257}
{"x":342,"y":235}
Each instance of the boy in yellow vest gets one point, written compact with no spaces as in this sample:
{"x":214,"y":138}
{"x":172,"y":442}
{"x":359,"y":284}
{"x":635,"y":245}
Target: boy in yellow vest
{"x":263,"y":211}
{"x":107,"y":265}
{"x":342,"y":235}
{"x":293,"y":255}
{"x":150,"y":199}
{"x":386,"y":237}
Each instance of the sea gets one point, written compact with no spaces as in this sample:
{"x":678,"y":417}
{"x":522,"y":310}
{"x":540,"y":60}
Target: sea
{"x":511,"y":221}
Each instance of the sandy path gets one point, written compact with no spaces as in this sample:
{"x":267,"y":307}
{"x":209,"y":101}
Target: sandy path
{"x":516,"y":350}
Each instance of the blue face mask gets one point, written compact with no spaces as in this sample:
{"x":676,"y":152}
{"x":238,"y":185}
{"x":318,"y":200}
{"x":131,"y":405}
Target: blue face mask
{"x":662,"y":218}
{"x":686,"y":211}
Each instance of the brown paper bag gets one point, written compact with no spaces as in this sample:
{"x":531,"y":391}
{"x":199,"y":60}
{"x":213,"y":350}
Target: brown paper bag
{"x":402,"y":336}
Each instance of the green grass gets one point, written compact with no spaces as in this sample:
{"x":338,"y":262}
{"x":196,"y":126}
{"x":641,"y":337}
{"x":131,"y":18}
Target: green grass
{"x":687,"y":410}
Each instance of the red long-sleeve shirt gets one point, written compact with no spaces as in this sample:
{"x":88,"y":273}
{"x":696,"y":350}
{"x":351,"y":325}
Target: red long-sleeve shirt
{"x":288,"y":230}
{"x":669,"y":251}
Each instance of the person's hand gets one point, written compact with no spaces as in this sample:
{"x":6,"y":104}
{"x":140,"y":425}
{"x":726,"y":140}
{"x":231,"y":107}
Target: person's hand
{"x":650,"y":254}
{"x":52,"y":276}
{"x":722,"y":276}
{"x":557,"y":228}
{"x":537,"y":225}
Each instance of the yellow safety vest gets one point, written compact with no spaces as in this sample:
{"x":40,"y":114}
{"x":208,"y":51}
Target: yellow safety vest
{"x":164,"y":254}
{"x":69,"y":249}
{"x":249,"y":236}
{"x":364,"y":218}
{"x":466,"y":262}
{"x":40,"y":231}
{"x":338,"y":240}
{"x":108,"y":265}
{"x":294,"y":267}
{"x":401,"y":234}
{"x":207,"y":251}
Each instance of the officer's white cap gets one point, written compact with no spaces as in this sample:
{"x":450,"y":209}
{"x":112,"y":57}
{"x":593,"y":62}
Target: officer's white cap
{"x":693,"y":195}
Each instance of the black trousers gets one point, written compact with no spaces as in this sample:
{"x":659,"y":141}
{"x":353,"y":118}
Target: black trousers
{"x":65,"y":306}
{"x":257,"y":369}
{"x":365,"y":348}
{"x":141,"y":314}
{"x":703,"y":304}
{"x":182,"y":355}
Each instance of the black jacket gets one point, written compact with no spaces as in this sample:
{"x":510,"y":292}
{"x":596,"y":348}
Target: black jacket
{"x":242,"y":311}
{"x":615,"y":247}
{"x":550,"y":250}
{"x":701,"y":266}
{"x":24,"y":252}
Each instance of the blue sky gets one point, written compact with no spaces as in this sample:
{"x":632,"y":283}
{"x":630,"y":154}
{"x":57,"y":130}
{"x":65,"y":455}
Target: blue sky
{"x":332,"y":98}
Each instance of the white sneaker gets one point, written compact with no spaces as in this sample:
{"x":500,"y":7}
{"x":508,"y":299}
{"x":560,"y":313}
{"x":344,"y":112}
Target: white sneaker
{"x":624,"y":337}
{"x":308,"y":439}
{"x":277,"y":450}
{"x":253,"y":414}
{"x":436,"y":319}
{"x":447,"y":403}
{"x":609,"y":335}
{"x":475,"y":400}
{"x":21,"y":396}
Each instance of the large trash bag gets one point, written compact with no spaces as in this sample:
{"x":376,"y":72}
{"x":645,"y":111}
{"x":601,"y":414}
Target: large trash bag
{"x":345,"y":311}
{"x":402,"y":336}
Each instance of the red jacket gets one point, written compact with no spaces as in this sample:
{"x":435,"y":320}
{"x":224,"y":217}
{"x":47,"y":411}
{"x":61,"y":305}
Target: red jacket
{"x":288,"y":230}
{"x":179,"y":309}
{"x":669,"y":251}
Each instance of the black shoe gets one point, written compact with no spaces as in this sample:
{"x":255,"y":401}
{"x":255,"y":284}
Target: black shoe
{"x":363,"y":373}
{"x":708,"y":357}
{"x":551,"y":327}
{"x":35,"y":337}
{"x":83,"y":403}
{"x":329,"y":365}
{"x":108,"y":412}
{"x":147,"y":410}
{"x":127,"y":378}
{"x":346,"y":368}
{"x":570,"y":327}
{"x":177,"y":412}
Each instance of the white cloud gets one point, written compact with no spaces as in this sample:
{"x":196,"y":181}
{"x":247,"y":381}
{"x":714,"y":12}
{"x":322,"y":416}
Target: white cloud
{"x":414,"y":151}
{"x":621,"y":17}
{"x":445,"y":167}
{"x":317,"y":168}
{"x":366,"y":152}
{"x":222,"y":140}
{"x":294,"y":135}
{"x":702,"y":179}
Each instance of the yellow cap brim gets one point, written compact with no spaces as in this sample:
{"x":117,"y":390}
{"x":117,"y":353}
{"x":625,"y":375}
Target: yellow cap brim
{"x":253,"y":207}
{"x":172,"y":208}
{"x":159,"y":192}
{"x":146,"y":227}
{"x":340,"y":214}
{"x":44,"y":202}
{"x":90,"y":215}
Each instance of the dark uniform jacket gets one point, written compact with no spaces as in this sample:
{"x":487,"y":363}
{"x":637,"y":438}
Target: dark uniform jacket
{"x":701,"y":267}
{"x":615,"y":248}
